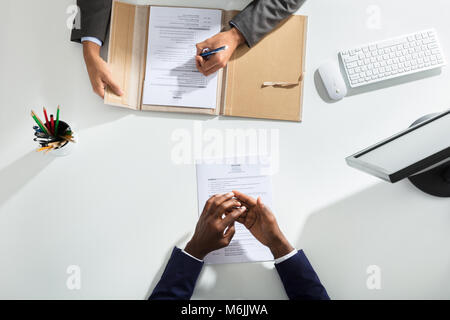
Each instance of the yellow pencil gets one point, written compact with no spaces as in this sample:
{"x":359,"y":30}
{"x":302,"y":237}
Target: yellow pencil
{"x":44,"y":148}
{"x":68,"y":138}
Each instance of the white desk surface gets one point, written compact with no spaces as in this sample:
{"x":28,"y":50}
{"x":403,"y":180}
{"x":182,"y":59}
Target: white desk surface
{"x":119,"y":203}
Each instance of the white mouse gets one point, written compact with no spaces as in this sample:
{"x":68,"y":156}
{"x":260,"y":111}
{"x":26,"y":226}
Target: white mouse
{"x":333,"y":80}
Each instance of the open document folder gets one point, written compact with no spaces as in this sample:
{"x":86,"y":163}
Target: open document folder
{"x":251,"y":179}
{"x":151,"y":56}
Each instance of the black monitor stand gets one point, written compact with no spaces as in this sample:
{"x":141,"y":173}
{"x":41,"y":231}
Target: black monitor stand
{"x":436,"y":180}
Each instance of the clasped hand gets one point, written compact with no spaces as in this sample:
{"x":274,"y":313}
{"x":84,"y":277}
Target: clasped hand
{"x":215,"y":228}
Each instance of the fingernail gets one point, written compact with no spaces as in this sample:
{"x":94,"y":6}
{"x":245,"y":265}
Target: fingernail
{"x":239,"y":204}
{"x":244,"y":208}
{"x":230,"y":194}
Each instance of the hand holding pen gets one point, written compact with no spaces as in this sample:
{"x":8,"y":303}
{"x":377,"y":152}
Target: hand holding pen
{"x":220,"y":49}
{"x":206,"y":53}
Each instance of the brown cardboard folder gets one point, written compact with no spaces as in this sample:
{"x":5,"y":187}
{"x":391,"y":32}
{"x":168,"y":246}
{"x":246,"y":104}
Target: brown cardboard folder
{"x":278,"y":58}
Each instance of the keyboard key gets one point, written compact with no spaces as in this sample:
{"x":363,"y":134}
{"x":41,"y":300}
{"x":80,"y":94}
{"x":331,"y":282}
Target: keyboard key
{"x":390,"y":43}
{"x":435,"y":51}
{"x":351,"y":59}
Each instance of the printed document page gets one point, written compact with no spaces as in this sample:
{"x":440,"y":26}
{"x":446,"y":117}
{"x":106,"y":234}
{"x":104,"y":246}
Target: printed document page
{"x":171,"y":77}
{"x":249,"y":179}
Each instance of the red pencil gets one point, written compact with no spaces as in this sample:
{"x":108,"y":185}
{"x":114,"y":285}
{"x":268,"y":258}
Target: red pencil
{"x":47,"y":124}
{"x":52,"y":124}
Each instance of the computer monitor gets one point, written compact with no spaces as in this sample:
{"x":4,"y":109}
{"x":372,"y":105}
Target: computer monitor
{"x":420,"y":153}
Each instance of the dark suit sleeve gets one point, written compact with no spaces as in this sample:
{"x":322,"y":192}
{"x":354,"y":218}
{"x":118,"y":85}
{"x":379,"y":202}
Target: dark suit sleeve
{"x":179,"y":278}
{"x":300,"y":280}
{"x":95,"y":16}
{"x":262,"y":16}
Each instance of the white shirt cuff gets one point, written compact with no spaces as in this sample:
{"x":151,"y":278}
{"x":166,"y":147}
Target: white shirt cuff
{"x":285,"y":257}
{"x":92,"y":39}
{"x":191,"y":256}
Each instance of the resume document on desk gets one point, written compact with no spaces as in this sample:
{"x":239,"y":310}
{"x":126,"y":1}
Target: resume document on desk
{"x":171,"y":77}
{"x":251,"y":179}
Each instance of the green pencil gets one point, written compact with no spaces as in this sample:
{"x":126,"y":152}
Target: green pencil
{"x":57,"y":122}
{"x":39,"y":122}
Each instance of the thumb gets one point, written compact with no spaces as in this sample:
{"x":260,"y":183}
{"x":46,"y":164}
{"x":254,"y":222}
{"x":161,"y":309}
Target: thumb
{"x":230,"y":232}
{"x":113,"y":85}
{"x":259,"y":203}
{"x":260,"y":206}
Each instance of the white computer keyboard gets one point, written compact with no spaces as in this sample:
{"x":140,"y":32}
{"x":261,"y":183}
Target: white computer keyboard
{"x":392,"y":58}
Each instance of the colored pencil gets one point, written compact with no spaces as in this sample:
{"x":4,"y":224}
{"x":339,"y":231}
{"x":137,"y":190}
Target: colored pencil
{"x":43,"y":148}
{"x":57,"y":122}
{"x":39,"y":123}
{"x":52,"y":124}
{"x":68,"y":138}
{"x":46,"y":118}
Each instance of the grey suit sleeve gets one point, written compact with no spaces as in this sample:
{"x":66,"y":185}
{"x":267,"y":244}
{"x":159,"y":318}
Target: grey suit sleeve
{"x":95,"y":16}
{"x":262,"y":16}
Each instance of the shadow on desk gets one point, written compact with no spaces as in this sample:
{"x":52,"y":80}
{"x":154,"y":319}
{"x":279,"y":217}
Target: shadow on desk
{"x":372,"y":87}
{"x":16,"y":175}
{"x":239,"y":281}
{"x":231,"y":281}
{"x":390,"y":226}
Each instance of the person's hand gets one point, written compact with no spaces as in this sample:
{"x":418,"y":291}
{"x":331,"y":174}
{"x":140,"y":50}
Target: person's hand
{"x":261,"y":222}
{"x":231,"y":38}
{"x":98,"y":70}
{"x":210,"y":231}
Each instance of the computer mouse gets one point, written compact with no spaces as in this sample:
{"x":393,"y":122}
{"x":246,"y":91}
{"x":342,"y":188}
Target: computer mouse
{"x":333,"y":81}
